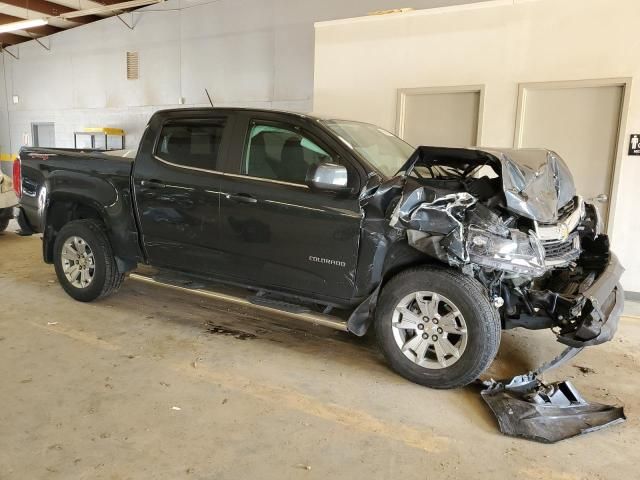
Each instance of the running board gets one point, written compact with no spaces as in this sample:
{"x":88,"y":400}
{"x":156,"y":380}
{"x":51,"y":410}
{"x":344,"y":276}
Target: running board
{"x":280,"y":308}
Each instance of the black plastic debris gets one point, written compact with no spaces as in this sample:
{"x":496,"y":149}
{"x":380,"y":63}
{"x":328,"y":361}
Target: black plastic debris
{"x":526,"y":407}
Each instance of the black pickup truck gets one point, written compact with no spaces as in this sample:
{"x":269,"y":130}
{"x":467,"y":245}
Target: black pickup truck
{"x":338,"y":222}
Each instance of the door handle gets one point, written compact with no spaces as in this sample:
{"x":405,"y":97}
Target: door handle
{"x":152,"y":184}
{"x":241,"y":198}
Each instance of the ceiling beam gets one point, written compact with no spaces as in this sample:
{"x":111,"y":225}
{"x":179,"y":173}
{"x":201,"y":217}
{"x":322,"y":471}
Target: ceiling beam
{"x":12,"y":39}
{"x":50,"y":9}
{"x":108,"y":2}
{"x":44,"y":30}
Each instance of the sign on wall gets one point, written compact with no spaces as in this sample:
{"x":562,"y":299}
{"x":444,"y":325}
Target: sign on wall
{"x":634,"y":144}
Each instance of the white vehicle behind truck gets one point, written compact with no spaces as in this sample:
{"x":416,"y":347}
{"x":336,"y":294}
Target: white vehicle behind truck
{"x":8,"y":200}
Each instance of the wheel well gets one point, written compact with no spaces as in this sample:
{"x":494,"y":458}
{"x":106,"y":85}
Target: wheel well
{"x":59,"y":214}
{"x":401,"y":257}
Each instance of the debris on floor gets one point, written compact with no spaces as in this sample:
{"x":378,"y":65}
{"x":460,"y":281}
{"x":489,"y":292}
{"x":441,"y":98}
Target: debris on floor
{"x":547,"y":413}
{"x":585,"y":370}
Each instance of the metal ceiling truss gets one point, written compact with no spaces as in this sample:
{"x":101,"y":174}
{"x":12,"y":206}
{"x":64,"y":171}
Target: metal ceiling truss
{"x":47,"y":10}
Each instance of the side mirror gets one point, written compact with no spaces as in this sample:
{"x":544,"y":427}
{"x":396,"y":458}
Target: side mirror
{"x":328,"y":176}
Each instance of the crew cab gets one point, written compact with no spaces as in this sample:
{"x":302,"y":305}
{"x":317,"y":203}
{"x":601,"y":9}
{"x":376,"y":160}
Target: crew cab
{"x":336,"y":221}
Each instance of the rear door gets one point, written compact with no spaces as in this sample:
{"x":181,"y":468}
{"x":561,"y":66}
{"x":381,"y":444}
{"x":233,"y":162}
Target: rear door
{"x":176,"y":181}
{"x":276,"y":231}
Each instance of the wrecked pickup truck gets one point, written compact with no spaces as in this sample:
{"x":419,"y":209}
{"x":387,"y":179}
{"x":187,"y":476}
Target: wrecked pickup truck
{"x":336,"y":222}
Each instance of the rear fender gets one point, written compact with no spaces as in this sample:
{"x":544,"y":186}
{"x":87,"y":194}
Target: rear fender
{"x":69,"y":200}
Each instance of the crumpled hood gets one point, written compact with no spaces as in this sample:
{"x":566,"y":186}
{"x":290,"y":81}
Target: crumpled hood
{"x":536,"y":182}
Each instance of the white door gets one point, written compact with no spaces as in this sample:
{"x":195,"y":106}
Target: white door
{"x":581,"y":124}
{"x":439,"y":118}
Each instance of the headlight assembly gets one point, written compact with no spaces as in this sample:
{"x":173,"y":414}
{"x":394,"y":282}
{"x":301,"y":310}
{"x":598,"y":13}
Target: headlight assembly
{"x":517,"y":253}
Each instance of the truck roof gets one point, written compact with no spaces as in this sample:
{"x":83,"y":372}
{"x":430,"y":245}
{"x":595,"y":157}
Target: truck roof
{"x":170,"y":111}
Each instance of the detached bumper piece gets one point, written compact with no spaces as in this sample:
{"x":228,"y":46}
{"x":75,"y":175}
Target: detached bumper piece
{"x":527,"y":408}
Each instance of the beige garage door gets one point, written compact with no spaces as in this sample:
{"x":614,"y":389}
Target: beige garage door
{"x":439,"y":118}
{"x":581,"y":124}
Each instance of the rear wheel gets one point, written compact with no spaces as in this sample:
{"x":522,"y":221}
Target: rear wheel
{"x":84,"y":261}
{"x":436,"y":327}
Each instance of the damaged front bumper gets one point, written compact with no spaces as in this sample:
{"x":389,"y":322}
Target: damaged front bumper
{"x":588,"y":317}
{"x":601,"y":306}
{"x":525,"y":406}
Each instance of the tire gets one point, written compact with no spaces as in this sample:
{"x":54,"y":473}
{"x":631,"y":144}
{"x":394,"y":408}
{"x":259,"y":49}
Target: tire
{"x":456,"y":293}
{"x":105,"y":277}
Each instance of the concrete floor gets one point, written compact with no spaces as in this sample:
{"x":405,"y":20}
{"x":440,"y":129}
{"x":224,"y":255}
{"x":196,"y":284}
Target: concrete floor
{"x":155,"y":384}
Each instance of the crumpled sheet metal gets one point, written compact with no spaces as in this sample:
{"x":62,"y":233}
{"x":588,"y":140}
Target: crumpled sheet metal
{"x":536,"y":182}
{"x":423,"y":211}
{"x":437,"y":215}
{"x":546,"y":413}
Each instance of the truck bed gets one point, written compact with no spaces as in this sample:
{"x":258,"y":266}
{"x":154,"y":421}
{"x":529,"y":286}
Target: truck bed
{"x":54,"y":179}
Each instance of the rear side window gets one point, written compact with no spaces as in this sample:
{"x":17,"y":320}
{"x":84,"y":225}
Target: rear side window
{"x":192,"y":144}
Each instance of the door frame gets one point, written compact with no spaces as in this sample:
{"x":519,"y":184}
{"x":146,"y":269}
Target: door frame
{"x":34,"y":131}
{"x":625,"y":83}
{"x":403,"y":93}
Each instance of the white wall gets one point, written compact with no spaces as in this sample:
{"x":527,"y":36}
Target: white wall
{"x":361,"y":62}
{"x":246,"y":52}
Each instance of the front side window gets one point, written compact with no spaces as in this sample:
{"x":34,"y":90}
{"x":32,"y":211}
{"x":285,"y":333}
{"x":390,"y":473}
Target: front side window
{"x":191,"y":144}
{"x":280,"y":153}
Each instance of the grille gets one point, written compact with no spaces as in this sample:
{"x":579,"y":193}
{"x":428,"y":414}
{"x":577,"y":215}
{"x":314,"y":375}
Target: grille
{"x":556,"y":249}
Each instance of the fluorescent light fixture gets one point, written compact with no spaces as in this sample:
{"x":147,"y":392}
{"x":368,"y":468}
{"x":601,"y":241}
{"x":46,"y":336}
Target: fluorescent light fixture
{"x":22,"y":25}
{"x":109,"y":8}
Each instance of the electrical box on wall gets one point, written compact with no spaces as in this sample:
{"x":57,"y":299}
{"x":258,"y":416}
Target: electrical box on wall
{"x":15,"y":99}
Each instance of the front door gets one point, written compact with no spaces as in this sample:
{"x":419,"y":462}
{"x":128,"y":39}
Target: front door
{"x":177,"y":193}
{"x":278,"y":232}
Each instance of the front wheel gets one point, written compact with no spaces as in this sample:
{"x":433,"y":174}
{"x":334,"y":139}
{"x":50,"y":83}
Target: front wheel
{"x":436,"y":327}
{"x":84,"y":261}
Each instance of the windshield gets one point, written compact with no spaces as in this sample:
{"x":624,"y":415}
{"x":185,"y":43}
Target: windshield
{"x":383,"y":150}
